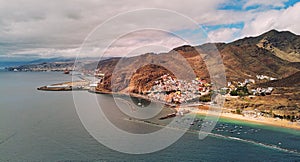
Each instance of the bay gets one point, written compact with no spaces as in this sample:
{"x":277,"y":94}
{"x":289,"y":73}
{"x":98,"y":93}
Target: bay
{"x":44,"y":126}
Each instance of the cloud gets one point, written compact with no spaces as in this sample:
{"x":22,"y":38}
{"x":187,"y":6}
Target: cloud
{"x":272,"y":3}
{"x":257,"y":23}
{"x":39,"y":24}
{"x":284,"y":19}
{"x":223,"y":34}
{"x":144,"y":41}
{"x":58,"y":28}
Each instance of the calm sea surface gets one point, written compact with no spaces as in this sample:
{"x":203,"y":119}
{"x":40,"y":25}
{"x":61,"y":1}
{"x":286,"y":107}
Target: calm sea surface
{"x":44,"y":126}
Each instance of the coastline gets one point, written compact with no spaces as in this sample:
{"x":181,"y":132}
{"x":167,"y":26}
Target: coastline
{"x":261,"y":120}
{"x":135,"y":95}
{"x":280,"y":123}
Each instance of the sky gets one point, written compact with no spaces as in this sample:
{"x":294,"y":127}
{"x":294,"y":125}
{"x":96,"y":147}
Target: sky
{"x":32,"y":29}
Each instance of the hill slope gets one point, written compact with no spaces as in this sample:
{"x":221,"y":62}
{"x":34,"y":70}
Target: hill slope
{"x":284,"y":45}
{"x":242,"y":59}
{"x":290,"y":81}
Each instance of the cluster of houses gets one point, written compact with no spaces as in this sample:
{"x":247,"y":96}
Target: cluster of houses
{"x":173,"y":90}
{"x":259,"y":91}
{"x":262,"y":91}
{"x":264,"y":77}
{"x":241,"y":84}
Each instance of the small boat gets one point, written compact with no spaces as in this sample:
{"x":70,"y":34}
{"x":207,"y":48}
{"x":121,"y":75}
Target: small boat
{"x":66,"y":71}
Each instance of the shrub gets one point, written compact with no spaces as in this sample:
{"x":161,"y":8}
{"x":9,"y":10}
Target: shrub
{"x":238,"y":111}
{"x":233,"y":93}
{"x":205,"y":98}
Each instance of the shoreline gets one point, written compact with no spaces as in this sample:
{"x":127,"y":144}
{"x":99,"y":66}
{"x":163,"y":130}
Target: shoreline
{"x":135,"y":95}
{"x":259,"y":120}
{"x":280,"y":123}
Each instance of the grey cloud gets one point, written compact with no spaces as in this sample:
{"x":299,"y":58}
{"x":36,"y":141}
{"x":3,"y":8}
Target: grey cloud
{"x":57,"y":26}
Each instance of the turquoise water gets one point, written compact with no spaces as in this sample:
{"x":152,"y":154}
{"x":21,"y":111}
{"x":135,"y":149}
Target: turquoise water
{"x":44,"y":126}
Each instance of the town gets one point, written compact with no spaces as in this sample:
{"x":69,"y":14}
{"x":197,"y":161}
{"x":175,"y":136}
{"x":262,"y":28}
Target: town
{"x":172,"y":90}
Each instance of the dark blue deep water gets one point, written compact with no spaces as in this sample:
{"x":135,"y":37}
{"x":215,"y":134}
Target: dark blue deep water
{"x":44,"y":126}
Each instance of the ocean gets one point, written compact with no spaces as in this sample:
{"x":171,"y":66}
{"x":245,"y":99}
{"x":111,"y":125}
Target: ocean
{"x":44,"y":126}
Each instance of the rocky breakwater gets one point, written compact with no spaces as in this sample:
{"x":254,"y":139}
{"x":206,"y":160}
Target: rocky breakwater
{"x":66,"y":86}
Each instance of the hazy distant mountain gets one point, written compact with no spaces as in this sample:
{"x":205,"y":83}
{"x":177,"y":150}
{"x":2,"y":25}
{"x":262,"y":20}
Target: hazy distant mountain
{"x":56,"y":59}
{"x":51,"y":63}
{"x":7,"y":64}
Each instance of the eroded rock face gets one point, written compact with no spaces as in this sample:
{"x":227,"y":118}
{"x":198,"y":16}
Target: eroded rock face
{"x":138,"y":73}
{"x":144,"y":78}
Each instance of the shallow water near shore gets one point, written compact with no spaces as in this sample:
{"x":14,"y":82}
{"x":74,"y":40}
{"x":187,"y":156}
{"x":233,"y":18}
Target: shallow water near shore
{"x":44,"y":126}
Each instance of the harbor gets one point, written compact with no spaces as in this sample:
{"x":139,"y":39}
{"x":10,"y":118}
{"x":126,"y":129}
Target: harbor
{"x":82,"y":82}
{"x":67,"y":86}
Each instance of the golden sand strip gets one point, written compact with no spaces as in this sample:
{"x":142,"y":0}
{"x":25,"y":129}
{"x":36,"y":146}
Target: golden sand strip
{"x":258,"y":120}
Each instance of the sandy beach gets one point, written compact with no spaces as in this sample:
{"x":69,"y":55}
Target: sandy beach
{"x":258,"y":120}
{"x":203,"y":110}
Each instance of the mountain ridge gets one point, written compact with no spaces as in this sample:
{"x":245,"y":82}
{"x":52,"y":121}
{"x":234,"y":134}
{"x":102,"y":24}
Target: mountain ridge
{"x":242,"y":59}
{"x":284,"y":44}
